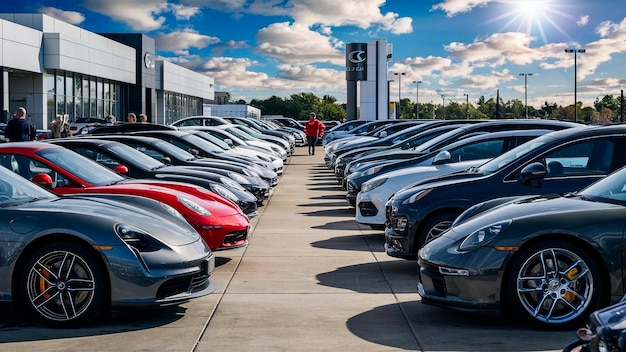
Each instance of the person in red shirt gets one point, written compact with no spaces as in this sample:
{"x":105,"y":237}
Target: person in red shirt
{"x":313,"y":129}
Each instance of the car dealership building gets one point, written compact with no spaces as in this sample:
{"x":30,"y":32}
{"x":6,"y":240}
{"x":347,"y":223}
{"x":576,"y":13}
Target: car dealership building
{"x":51,"y":67}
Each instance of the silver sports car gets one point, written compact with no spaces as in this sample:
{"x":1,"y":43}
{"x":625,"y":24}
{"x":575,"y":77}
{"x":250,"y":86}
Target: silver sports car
{"x":69,"y":260}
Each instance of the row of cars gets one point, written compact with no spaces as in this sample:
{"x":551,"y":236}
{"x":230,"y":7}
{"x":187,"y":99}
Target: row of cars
{"x":108,"y":220}
{"x":527,"y":220}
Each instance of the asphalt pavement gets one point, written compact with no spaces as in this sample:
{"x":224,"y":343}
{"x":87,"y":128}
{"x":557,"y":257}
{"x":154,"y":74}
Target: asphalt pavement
{"x":311,"y":279}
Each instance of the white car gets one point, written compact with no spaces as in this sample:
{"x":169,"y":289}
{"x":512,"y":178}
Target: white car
{"x":458,"y":156}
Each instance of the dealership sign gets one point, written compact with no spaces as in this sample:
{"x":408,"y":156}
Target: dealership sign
{"x":356,"y":62}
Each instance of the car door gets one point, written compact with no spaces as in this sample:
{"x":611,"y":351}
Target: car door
{"x":575,"y":165}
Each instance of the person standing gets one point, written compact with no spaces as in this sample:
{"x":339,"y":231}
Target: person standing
{"x":19,"y":128}
{"x":313,"y":129}
{"x":65,"y":126}
{"x":143,"y":118}
{"x":132,"y":118}
{"x":55,"y":126}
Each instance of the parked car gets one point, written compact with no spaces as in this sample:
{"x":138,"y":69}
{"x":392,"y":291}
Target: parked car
{"x":274,"y":144}
{"x":173,"y":155}
{"x":266,"y":154}
{"x":219,"y":221}
{"x":352,"y":128}
{"x":370,"y":194}
{"x":81,"y":122}
{"x":570,"y":159}
{"x":200,"y":121}
{"x":69,"y":260}
{"x":551,"y":260}
{"x":133,"y":163}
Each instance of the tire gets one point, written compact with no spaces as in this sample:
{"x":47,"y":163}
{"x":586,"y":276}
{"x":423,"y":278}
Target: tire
{"x":554,"y":299}
{"x":63,"y":285}
{"x":434,"y":227}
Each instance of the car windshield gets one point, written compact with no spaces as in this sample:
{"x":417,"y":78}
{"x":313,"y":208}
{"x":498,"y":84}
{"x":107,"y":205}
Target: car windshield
{"x":125,"y":152}
{"x":201,"y":143}
{"x":81,"y":166}
{"x":15,"y":190}
{"x":497,"y":163}
{"x":213,"y":140}
{"x":240,"y":133}
{"x":172,"y":150}
{"x":610,"y":188}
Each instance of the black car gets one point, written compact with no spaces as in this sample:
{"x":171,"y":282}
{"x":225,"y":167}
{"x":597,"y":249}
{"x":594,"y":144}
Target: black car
{"x":173,"y":155}
{"x":558,"y":162}
{"x":550,"y":260}
{"x":135,"y":164}
{"x":383,"y":157}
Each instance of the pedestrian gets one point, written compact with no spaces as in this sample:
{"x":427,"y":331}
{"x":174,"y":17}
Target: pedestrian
{"x":313,"y":129}
{"x":65,"y":126}
{"x":55,"y":126}
{"x":19,"y":128}
{"x":131,"y":118}
{"x":143,"y":118}
{"x":111,"y":120}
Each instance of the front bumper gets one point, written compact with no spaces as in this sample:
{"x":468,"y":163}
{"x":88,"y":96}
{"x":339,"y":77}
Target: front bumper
{"x":468,"y":280}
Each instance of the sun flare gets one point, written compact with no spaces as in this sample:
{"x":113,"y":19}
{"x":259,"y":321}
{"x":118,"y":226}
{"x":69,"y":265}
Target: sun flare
{"x":532,"y":16}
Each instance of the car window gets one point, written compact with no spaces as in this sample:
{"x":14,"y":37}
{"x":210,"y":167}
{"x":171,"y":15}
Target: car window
{"x":581,"y":159}
{"x":190,"y":122}
{"x":479,"y":150}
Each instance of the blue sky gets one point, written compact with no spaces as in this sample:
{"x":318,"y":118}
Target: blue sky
{"x":260,"y":48}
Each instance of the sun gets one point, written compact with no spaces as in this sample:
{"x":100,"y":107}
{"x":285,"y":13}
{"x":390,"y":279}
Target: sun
{"x":532,"y":17}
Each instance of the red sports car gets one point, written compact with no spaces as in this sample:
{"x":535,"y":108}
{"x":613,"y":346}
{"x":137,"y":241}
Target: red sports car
{"x":220,"y":222}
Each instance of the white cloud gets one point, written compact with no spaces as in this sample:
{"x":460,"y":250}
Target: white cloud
{"x":453,"y":7}
{"x":71,"y":17}
{"x":183,"y":40}
{"x":605,"y":28}
{"x":514,"y":47}
{"x":296,"y":44}
{"x":582,"y":21}
{"x":145,"y":15}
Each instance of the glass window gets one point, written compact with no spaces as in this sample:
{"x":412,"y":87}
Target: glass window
{"x":581,"y":159}
{"x":50,"y":83}
{"x":92,"y":88}
{"x":69,"y":85}
{"x":78,"y":86}
{"x":60,"y":85}
{"x":100,"y":89}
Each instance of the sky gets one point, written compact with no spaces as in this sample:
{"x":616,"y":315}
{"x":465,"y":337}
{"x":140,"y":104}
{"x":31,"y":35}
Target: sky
{"x":256,"y":49}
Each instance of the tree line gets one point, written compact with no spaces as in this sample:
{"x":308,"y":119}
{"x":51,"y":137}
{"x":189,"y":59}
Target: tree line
{"x":298,"y":106}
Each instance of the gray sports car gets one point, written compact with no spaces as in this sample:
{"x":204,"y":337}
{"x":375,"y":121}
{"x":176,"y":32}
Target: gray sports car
{"x":70,"y":260}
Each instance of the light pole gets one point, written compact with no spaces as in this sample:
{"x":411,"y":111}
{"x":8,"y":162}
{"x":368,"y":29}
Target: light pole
{"x":526,"y":90}
{"x":575,"y":51}
{"x":443,"y":97}
{"x":399,"y":74}
{"x":466,"y":106}
{"x":417,"y":96}
{"x":389,"y":101}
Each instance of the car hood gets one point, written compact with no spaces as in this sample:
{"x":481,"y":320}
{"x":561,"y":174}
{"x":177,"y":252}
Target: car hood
{"x":423,"y":172}
{"x":140,"y":212}
{"x":538,"y":208}
{"x":458,"y":177}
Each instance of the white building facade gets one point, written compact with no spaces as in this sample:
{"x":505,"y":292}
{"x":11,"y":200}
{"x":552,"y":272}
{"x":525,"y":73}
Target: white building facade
{"x":51,"y":67}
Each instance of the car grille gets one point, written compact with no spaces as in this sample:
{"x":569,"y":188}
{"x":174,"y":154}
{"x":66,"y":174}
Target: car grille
{"x":439,"y":283}
{"x":186,"y":284}
{"x":352,"y":188}
{"x":237,"y":236}
{"x":368,"y":209}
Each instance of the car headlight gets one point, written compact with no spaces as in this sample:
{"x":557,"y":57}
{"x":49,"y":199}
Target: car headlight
{"x":232,"y":184}
{"x":193,"y":206}
{"x":238,"y":178}
{"x":168,"y":208}
{"x":484,"y":235}
{"x":372,"y":171}
{"x":417,"y":196}
{"x":370,"y":185}
{"x":138,"y":238}
{"x":224,"y":192}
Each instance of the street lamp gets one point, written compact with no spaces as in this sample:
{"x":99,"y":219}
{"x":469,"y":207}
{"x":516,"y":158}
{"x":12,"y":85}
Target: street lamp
{"x":417,"y":96}
{"x":466,"y":106}
{"x":526,"y":90}
{"x":443,"y":97}
{"x":575,"y":51}
{"x":399,"y":74}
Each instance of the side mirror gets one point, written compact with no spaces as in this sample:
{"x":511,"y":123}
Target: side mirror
{"x":43,"y":180}
{"x":166,"y":160}
{"x":121,"y":169}
{"x":443,"y":157}
{"x":228,"y":141}
{"x":194,"y":151}
{"x":534,"y":172}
